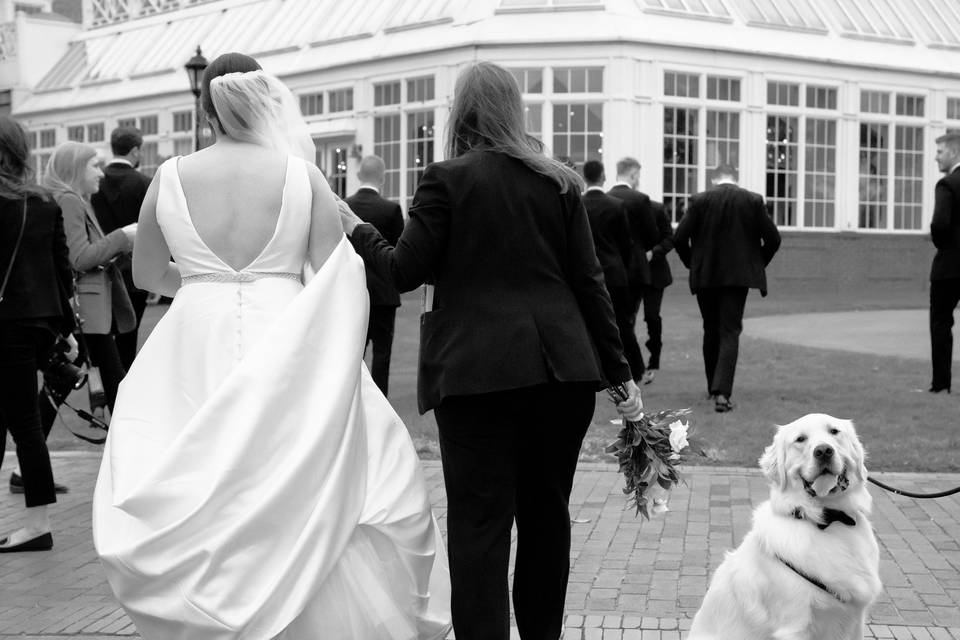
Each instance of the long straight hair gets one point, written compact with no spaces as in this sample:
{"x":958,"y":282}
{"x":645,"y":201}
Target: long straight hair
{"x":66,"y":167}
{"x":487,"y":113}
{"x":16,"y":174}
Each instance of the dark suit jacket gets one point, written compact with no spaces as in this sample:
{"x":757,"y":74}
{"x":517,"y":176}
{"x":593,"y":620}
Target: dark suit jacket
{"x":726,"y":239}
{"x":117,"y":204}
{"x":386,"y":216}
{"x":611,"y":235}
{"x":945,"y":228}
{"x":519,"y":298}
{"x":643,"y":231}
{"x":41,"y":281}
{"x":660,"y":275}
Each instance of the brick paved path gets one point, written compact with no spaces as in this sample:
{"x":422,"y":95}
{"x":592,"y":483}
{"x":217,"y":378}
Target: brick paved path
{"x":630,"y":580}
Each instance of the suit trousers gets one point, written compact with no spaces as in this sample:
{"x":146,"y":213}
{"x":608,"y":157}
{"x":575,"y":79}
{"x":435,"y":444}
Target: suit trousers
{"x":511,"y":455}
{"x":624,"y":309}
{"x":23,"y":351}
{"x":380,"y":333}
{"x":722,"y":312}
{"x":944,"y":297}
{"x":127,"y":342}
{"x":652,"y":299}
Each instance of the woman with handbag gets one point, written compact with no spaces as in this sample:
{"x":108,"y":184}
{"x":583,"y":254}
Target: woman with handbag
{"x":36,"y":286}
{"x":73,"y":174}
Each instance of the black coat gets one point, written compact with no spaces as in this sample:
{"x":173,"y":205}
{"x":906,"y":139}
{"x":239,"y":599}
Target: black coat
{"x":611,"y":235}
{"x":945,"y":228}
{"x":519,"y":298}
{"x":386,"y":216}
{"x":121,"y":193}
{"x":41,"y":280}
{"x":660,"y":275}
{"x":726,"y":239}
{"x":643,"y":232}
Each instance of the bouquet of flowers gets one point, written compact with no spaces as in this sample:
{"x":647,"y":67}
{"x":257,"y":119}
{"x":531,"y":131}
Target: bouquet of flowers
{"x":648,"y":451}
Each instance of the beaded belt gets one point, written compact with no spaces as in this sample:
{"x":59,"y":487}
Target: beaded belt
{"x":238,"y":276}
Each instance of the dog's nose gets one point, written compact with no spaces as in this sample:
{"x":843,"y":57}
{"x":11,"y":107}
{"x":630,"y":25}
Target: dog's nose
{"x":823,"y":452}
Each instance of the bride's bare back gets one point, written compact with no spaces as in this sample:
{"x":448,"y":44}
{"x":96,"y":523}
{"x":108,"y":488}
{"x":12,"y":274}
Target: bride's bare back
{"x":234,"y":195}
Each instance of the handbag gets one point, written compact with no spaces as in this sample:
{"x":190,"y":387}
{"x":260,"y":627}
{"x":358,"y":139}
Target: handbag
{"x":16,"y":248}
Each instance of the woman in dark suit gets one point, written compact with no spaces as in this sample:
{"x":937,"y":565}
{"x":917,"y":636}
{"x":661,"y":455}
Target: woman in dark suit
{"x":520,"y":336}
{"x":34,"y":310}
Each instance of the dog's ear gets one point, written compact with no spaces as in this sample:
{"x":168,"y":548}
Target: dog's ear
{"x":859,"y":455}
{"x":773,"y":462}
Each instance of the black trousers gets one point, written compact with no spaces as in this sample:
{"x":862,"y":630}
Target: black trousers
{"x":944,"y":297}
{"x":722,"y":312}
{"x":380,"y":333}
{"x":23,"y":350}
{"x":127,"y":342}
{"x":625,"y":313}
{"x":511,"y":455}
{"x":652,"y":299}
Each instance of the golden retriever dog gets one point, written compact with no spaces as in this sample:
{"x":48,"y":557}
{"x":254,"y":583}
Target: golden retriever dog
{"x":809,"y":567}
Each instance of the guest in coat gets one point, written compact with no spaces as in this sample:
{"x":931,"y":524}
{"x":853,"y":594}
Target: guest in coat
{"x":945,"y":271}
{"x":387,"y":218}
{"x":520,"y":336}
{"x":649,"y":273}
{"x":726,"y":239}
{"x":611,"y":239}
{"x":117,"y":204}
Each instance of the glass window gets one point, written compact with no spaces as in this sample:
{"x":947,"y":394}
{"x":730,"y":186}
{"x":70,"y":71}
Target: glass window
{"x":820,"y":176}
{"x":783,"y":93}
{"x":96,"y":132}
{"x":723,"y":138}
{"x":32,"y":140}
{"x":578,"y":80}
{"x":695,"y":8}
{"x":533,"y":117}
{"x":420,"y":141}
{"x":183,"y":120}
{"x":821,"y":97}
{"x":420,"y":89}
{"x":75,"y":133}
{"x":149,"y":158}
{"x":783,"y":173}
{"x":148,"y":125}
{"x":874,"y":102}
{"x":682,"y":85}
{"x":953,"y":108}
{"x":680,"y":158}
{"x":799,"y":14}
{"x":908,"y":177}
{"x":48,"y":138}
{"x":311,"y":104}
{"x":530,"y":80}
{"x":337,"y":178}
{"x":386,"y":144}
{"x":6,"y":102}
{"x":877,"y":18}
{"x":874,"y":159}
{"x":720,"y":88}
{"x":578,"y":132}
{"x":127,"y":122}
{"x":182,"y":146}
{"x":340,"y":100}
{"x":910,"y":105}
{"x":386,"y":93}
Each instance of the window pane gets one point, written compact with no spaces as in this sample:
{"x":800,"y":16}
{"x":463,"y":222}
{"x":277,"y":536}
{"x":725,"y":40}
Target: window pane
{"x":148,"y":126}
{"x":819,"y":192}
{"x":577,"y":132}
{"x":782,"y":170}
{"x":386,"y":93}
{"x":386,"y":144}
{"x":908,"y":178}
{"x":683,"y":85}
{"x":874,"y":102}
{"x":953,"y":108}
{"x":420,"y":147}
{"x":783,"y":93}
{"x":874,"y":158}
{"x":680,"y":159}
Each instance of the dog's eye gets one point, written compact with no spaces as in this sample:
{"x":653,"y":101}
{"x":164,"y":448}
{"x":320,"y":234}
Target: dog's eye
{"x":801,"y":438}
{"x":834,"y":431}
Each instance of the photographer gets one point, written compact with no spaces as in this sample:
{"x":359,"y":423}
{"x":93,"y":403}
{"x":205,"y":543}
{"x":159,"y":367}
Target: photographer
{"x":34,"y":311}
{"x":73,"y":173}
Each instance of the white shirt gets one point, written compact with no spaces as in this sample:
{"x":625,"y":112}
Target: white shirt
{"x":720,"y":182}
{"x":121,"y":161}
{"x":371,"y":187}
{"x":953,"y":168}
{"x":594,"y":188}
{"x":624,"y":184}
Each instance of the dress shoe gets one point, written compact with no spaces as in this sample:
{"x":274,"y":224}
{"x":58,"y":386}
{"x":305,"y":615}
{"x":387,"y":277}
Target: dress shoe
{"x":43,"y":542}
{"x":16,"y":485}
{"x":722,"y":404}
{"x":940,"y":390}
{"x":648,"y":376}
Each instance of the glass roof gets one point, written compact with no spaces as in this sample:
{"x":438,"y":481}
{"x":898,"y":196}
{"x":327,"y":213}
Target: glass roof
{"x":871,"y":18}
{"x":781,"y":13}
{"x":939,"y":20}
{"x":711,"y":8}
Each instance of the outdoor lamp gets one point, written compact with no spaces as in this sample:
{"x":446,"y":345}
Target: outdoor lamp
{"x":195,"y":68}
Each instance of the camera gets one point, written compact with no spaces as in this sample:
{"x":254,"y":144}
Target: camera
{"x":60,"y":369}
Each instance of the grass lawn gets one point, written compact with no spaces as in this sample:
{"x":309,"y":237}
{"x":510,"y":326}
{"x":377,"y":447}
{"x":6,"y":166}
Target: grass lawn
{"x":902,"y":430}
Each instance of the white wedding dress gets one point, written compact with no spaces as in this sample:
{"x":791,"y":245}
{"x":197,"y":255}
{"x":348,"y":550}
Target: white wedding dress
{"x":255,"y":483}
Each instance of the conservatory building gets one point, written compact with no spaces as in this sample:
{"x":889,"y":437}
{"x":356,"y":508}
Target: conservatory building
{"x":829,"y":108}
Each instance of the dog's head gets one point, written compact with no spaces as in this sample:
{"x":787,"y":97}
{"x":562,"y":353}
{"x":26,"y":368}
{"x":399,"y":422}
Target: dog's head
{"x":818,"y":454}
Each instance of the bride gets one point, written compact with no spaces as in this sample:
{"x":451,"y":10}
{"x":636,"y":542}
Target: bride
{"x":256,"y":484}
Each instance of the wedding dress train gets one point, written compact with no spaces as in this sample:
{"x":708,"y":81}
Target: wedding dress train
{"x":255,"y":483}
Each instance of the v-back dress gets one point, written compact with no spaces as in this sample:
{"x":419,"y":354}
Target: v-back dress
{"x":255,"y":483}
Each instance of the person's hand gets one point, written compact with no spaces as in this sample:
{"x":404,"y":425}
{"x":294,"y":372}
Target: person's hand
{"x":632,"y":408}
{"x":74,"y":351}
{"x":649,"y":255}
{"x":130,"y":231}
{"x":348,"y":219}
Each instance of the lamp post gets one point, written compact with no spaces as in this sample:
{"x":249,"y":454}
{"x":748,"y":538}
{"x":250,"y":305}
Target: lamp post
{"x":195,"y":68}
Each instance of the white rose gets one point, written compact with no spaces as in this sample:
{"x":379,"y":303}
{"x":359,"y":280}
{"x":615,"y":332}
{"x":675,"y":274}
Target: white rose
{"x":678,"y":436}
{"x":659,"y":507}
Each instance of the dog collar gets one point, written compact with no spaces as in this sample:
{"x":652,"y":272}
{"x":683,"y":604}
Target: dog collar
{"x":829,"y":517}
{"x":810,"y":578}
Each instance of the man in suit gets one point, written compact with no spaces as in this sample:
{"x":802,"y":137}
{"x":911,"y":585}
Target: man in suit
{"x":611,"y":238}
{"x":945,"y":271}
{"x":117,"y":204}
{"x":649,"y":274}
{"x":726,"y":239}
{"x":386,"y":216}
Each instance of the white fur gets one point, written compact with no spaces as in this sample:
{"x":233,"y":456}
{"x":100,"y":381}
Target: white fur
{"x":755,"y":596}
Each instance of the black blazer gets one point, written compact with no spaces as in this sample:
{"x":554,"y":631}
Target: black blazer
{"x":121,"y":193}
{"x":41,"y":281}
{"x":386,"y":216}
{"x":643,"y":231}
{"x":660,"y":275}
{"x":726,"y":239}
{"x":945,"y":228}
{"x":519,"y":297}
{"x":611,"y":235}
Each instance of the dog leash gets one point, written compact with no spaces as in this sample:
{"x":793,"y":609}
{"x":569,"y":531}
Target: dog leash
{"x":911,"y":494}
